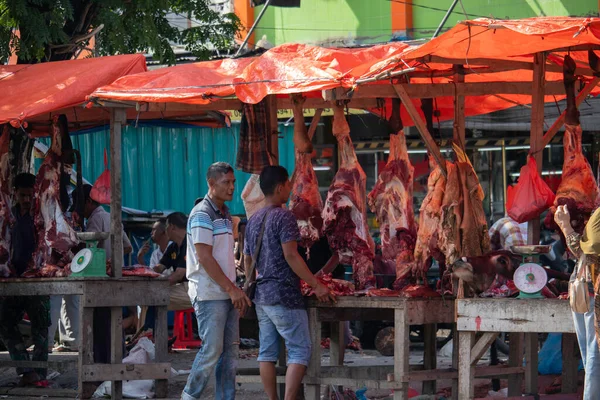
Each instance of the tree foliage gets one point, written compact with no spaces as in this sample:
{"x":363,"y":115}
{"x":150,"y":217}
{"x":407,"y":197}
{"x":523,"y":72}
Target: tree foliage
{"x":52,"y":30}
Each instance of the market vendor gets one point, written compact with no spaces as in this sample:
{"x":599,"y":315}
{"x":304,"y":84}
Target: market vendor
{"x":12,"y":309}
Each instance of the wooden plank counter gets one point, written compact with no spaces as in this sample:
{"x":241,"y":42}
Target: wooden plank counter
{"x":404,"y":312}
{"x":523,"y":319}
{"x":114,"y":293}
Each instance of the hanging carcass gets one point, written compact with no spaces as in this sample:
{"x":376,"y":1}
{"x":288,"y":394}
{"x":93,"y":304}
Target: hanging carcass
{"x":344,"y":213}
{"x":305,"y":201}
{"x":392,"y":200}
{"x":6,"y":216}
{"x":55,"y":235}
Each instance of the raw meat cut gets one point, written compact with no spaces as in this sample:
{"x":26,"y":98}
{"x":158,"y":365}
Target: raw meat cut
{"x":578,"y":189}
{"x":139,"y":270}
{"x":479,"y":272}
{"x":392,"y":201}
{"x":305,"y":201}
{"x":48,"y":271}
{"x":345,"y":214}
{"x":55,"y":235}
{"x":337,"y":286}
{"x":383,"y":293}
{"x":475,"y":240}
{"x":6,"y":216}
{"x":427,"y":244}
{"x":419,"y":291}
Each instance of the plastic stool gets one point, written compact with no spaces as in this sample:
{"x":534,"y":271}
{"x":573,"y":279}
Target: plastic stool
{"x":183,"y":329}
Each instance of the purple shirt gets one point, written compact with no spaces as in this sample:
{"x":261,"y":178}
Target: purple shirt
{"x":276,"y":283}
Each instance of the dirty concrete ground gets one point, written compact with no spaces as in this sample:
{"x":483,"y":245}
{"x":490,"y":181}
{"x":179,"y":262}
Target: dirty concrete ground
{"x":182,"y":360}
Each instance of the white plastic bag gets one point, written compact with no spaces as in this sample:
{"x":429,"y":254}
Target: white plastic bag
{"x":252,"y":197}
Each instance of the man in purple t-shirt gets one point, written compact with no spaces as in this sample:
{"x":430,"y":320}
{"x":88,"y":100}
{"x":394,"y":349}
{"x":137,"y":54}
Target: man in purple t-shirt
{"x":279,"y":303}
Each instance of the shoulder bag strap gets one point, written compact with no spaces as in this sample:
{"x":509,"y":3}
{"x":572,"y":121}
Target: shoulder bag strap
{"x":251,"y":278}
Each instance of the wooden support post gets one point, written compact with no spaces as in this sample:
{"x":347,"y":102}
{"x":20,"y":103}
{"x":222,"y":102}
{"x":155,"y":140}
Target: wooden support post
{"x":273,"y":129}
{"x":459,"y":110}
{"x":161,"y":340}
{"x":466,"y":372}
{"x":86,"y":352}
{"x":118,"y":117}
{"x":537,"y":131}
{"x":455,"y":360}
{"x":429,"y":355}
{"x":515,"y":359}
{"x":421,"y":126}
{"x":570,"y":363}
{"x":313,"y":391}
{"x":314,"y":123}
{"x":561,"y":119}
{"x":482,"y":345}
{"x":282,"y":362}
{"x":337,"y":345}
{"x":116,"y":348}
{"x":401,"y":353}
{"x":531,"y":363}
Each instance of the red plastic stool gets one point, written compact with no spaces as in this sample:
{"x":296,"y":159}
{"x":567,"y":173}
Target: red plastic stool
{"x":183,"y":329}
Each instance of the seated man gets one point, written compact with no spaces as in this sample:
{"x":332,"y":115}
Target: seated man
{"x":37,"y":308}
{"x":161,"y":239}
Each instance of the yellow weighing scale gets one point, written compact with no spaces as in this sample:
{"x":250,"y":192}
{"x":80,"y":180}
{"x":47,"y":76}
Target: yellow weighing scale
{"x":91,"y":261}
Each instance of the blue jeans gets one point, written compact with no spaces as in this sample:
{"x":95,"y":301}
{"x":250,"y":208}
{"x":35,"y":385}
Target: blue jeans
{"x":218,"y":327}
{"x":590,"y":353}
{"x":292,"y":325}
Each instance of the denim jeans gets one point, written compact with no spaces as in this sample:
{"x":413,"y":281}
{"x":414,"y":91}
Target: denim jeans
{"x":590,"y":353}
{"x":218,"y":327}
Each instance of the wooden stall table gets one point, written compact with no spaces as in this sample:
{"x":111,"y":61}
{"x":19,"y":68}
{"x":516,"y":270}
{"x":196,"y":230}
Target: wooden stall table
{"x":404,"y":312}
{"x":523,"y":319}
{"x":105,"y":292}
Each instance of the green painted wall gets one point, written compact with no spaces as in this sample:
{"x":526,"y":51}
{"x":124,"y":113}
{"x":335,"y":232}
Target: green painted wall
{"x":367,"y":21}
{"x":426,"y":16}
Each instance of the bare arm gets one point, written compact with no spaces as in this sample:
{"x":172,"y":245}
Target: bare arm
{"x":330,"y":265}
{"x":159,"y":268}
{"x":295,"y":261}
{"x":214,"y":271}
{"x":176,"y":276}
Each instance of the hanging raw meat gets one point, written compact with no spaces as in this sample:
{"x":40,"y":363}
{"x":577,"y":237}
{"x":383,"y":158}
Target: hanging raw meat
{"x":475,"y":240}
{"x":55,"y":235}
{"x":427,"y":244}
{"x":392,"y":198}
{"x":578,"y":189}
{"x":344,"y":214}
{"x":305,"y":201}
{"x":6,"y":216}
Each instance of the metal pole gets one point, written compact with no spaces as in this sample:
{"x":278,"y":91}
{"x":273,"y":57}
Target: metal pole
{"x":504,"y":176}
{"x":439,"y":28}
{"x":260,"y":15}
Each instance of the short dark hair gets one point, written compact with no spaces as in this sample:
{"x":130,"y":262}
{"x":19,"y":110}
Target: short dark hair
{"x":24,"y":181}
{"x":86,"y":189}
{"x":217,"y":169}
{"x":162,"y":223}
{"x":272,"y":176}
{"x":198,"y":200}
{"x":177,"y":219}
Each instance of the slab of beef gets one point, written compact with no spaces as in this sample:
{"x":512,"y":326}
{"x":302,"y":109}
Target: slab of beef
{"x":6,"y":217}
{"x":48,"y":271}
{"x":337,"y":286}
{"x":344,"y":214}
{"x":392,"y":201}
{"x":427,"y":244}
{"x":305,"y":201}
{"x":475,"y":240}
{"x":55,"y":235}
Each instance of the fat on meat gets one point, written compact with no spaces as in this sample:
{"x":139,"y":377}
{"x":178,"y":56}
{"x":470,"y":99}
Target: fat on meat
{"x":55,"y":235}
{"x":305,"y":201}
{"x":392,"y":201}
{"x":6,"y":216}
{"x":344,"y":213}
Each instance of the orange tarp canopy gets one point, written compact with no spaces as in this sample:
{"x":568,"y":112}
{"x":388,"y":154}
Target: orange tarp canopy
{"x":297,"y":68}
{"x":32,"y":92}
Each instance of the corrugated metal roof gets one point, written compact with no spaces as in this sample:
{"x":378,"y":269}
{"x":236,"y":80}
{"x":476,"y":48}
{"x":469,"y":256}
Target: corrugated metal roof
{"x":164,"y":167}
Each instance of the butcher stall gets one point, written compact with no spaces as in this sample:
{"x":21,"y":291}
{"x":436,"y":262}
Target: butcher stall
{"x":47,"y":100}
{"x":477,"y":67}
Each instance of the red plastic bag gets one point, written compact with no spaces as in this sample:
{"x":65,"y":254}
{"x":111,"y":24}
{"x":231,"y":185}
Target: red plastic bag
{"x":530,"y":197}
{"x":101,"y":190}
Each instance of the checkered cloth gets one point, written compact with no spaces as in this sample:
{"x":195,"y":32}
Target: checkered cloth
{"x":506,"y":233}
{"x":255,"y":138}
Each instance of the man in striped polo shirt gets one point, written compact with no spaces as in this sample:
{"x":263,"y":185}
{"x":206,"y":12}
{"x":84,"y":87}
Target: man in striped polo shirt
{"x":217,"y":301}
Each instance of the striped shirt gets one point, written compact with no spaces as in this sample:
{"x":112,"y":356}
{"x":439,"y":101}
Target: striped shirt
{"x":211,"y":226}
{"x":506,"y":233}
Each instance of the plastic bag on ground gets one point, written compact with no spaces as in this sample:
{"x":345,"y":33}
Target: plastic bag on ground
{"x":531,"y":196}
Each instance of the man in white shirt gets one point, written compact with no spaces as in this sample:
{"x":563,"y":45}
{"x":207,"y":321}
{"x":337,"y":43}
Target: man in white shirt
{"x":217,"y":301}
{"x":160,"y":237}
